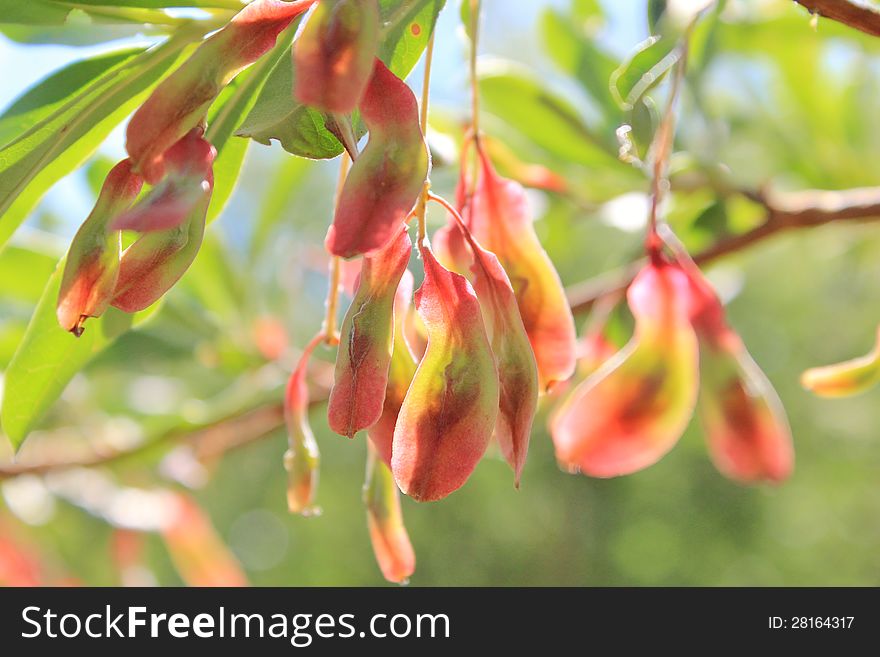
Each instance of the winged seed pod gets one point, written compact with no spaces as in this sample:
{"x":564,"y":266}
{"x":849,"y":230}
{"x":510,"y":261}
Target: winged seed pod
{"x":743,"y":419}
{"x":333,"y":57}
{"x":301,"y":460}
{"x":92,"y":266}
{"x":517,"y":371}
{"x":182,"y":99}
{"x":391,"y":544}
{"x":387,"y":177}
{"x":156,"y":261}
{"x":400,"y":373}
{"x":449,"y":412}
{"x":366,"y":340}
{"x":634,"y":408}
{"x":499,"y":218}
{"x":197,"y":551}
{"x":850,"y":377}
{"x":189,"y":165}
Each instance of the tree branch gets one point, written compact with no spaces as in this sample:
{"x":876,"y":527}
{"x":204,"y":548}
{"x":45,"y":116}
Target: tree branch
{"x":784,"y":211}
{"x":856,"y":15}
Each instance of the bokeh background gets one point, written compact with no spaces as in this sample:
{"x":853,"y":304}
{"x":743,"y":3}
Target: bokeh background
{"x":770,"y":100}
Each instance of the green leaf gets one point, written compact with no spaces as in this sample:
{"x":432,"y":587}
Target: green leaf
{"x":577,"y":54}
{"x":47,"y":359}
{"x":546,"y":119}
{"x":69,"y":115}
{"x":80,"y":14}
{"x":289,"y":178}
{"x":299,"y":129}
{"x":24,"y":272}
{"x":656,"y":9}
{"x":226,"y":115}
{"x":650,"y":61}
{"x":302,"y":130}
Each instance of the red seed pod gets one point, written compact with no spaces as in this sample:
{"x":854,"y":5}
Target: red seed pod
{"x":517,"y":371}
{"x":182,"y":99}
{"x":385,"y":180}
{"x":632,"y":410}
{"x":157,"y":260}
{"x":92,"y":266}
{"x":449,"y":412}
{"x":391,"y":544}
{"x":302,"y":458}
{"x":189,"y":166}
{"x":498,"y":216}
{"x":743,"y":420}
{"x":400,"y":373}
{"x":197,"y":551}
{"x":366,"y":341}
{"x":333,"y":57}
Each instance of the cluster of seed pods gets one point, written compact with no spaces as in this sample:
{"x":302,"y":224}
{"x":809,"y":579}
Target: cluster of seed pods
{"x":497,"y":331}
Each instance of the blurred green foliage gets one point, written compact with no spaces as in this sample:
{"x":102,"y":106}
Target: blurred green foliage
{"x":768,"y":101}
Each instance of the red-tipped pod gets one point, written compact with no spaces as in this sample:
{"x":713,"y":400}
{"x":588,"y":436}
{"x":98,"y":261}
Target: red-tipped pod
{"x":400,"y":373}
{"x":517,"y":371}
{"x":189,"y":167}
{"x":743,"y":420}
{"x":156,"y":261}
{"x":391,"y":544}
{"x":92,"y":266}
{"x":182,"y":99}
{"x":850,"y":377}
{"x":301,"y":460}
{"x":333,"y":57}
{"x":449,"y":412}
{"x":498,"y":216}
{"x":197,"y":551}
{"x":634,"y":408}
{"x":366,"y":341}
{"x":385,"y":180}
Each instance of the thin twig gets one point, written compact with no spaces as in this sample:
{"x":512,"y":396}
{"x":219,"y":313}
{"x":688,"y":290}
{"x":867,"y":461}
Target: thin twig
{"x":783,"y":211}
{"x":856,"y":15}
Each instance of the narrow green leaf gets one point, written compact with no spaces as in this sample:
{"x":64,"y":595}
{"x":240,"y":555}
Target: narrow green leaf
{"x":546,"y":119}
{"x":59,"y":140}
{"x":47,"y":359}
{"x":227,"y":114}
{"x":576,"y":53}
{"x":301,"y":130}
{"x":289,"y":178}
{"x":650,"y":61}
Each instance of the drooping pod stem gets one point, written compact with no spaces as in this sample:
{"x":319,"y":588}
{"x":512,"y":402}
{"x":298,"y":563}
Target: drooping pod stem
{"x":331,"y":335}
{"x":662,"y":149}
{"x":421,"y":207}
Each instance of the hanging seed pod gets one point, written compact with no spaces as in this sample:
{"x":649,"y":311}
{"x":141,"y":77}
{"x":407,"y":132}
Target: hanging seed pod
{"x":391,"y":544}
{"x":743,"y":420}
{"x":333,"y":57}
{"x":498,"y":216}
{"x":517,"y":371}
{"x":634,"y":408}
{"x":182,"y":99}
{"x":92,"y":266}
{"x":449,"y":412}
{"x":189,"y":166}
{"x":851,"y":377}
{"x":156,"y":261}
{"x":386,"y":178}
{"x":302,"y":459}
{"x":366,"y":341}
{"x":400,"y":373}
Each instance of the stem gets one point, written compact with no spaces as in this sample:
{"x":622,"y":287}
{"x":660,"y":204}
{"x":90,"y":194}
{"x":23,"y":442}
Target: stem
{"x":423,"y":122}
{"x":329,"y":332}
{"x":475,"y":87}
{"x":662,"y":148}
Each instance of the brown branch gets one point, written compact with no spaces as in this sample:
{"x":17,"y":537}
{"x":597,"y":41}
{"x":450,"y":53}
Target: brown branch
{"x":856,"y":15}
{"x":210,"y":439}
{"x":784,"y":211}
